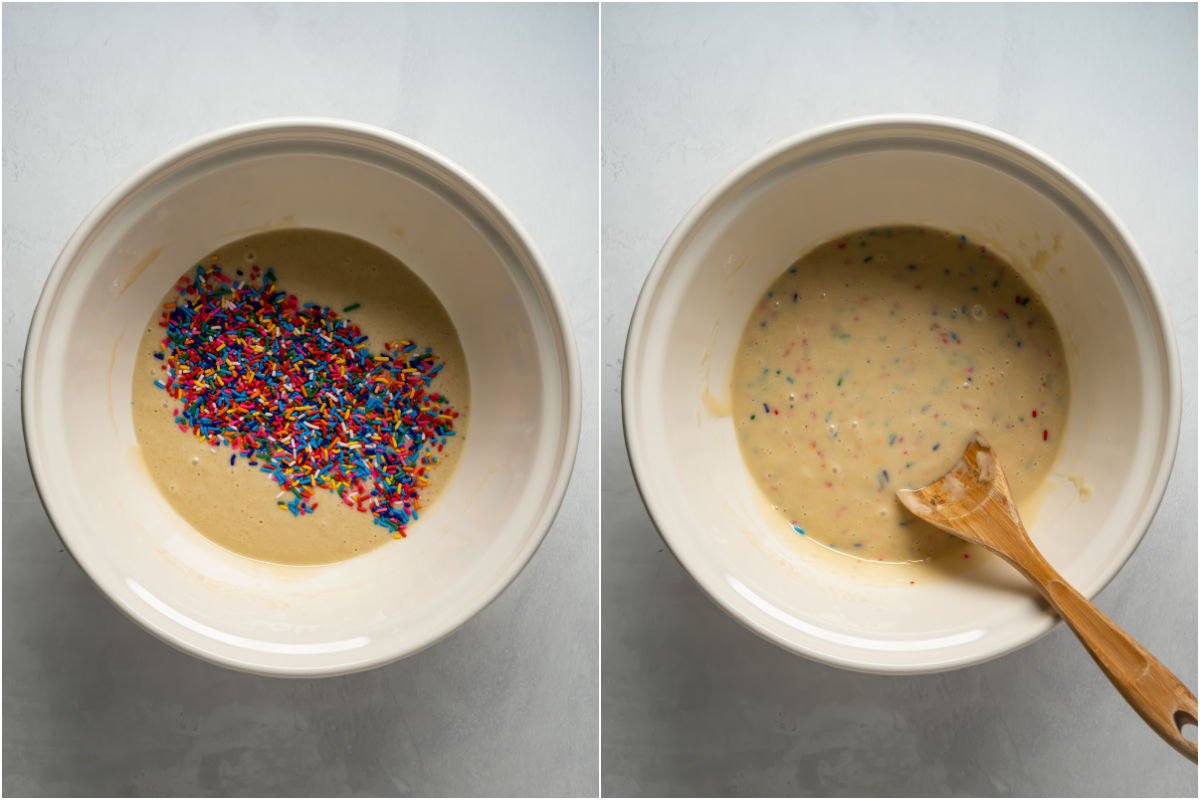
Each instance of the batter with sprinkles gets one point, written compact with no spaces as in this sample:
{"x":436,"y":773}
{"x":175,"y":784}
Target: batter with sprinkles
{"x":300,"y":396}
{"x":865,"y":367}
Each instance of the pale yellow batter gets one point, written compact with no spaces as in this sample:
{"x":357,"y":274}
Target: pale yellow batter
{"x":236,"y":506}
{"x":866,"y":367}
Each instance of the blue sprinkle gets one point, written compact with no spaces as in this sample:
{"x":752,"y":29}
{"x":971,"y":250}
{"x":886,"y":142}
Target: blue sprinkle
{"x":799,"y":530}
{"x":232,"y":459}
{"x":767,"y":410}
{"x":936,"y":446}
{"x":160,"y":384}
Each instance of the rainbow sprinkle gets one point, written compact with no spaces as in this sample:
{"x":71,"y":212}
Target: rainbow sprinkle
{"x":295,"y":390}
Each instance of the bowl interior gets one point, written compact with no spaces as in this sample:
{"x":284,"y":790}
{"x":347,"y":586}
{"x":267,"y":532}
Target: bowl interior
{"x":1122,"y":423}
{"x":305,"y":620}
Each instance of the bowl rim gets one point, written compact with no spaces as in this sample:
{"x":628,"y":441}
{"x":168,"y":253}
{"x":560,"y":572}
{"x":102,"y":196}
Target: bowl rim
{"x":922,"y":125}
{"x":298,"y":128}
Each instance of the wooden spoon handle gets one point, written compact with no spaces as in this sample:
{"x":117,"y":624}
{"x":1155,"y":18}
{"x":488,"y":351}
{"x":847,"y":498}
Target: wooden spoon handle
{"x":1154,"y":692}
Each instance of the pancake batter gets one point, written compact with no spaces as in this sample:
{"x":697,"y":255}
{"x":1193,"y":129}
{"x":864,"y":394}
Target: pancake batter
{"x":865,"y":368}
{"x":237,"y":505}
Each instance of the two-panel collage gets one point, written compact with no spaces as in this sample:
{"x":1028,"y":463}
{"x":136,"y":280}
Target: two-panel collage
{"x":612,"y":399}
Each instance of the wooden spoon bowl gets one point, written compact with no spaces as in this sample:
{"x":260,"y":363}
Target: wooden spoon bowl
{"x":973,"y":501}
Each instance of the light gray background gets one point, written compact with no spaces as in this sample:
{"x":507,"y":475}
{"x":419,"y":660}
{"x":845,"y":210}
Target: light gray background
{"x":94,"y":705}
{"x":691,"y":702}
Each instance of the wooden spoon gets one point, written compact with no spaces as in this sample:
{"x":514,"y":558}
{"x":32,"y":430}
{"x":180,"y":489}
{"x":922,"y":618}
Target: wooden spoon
{"x":973,"y":501}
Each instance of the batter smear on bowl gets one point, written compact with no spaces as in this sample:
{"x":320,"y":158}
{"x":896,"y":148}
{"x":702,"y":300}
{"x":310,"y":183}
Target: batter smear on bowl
{"x":264,"y":410}
{"x":865,"y":368}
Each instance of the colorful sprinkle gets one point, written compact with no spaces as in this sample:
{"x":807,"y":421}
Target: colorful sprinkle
{"x":295,"y":389}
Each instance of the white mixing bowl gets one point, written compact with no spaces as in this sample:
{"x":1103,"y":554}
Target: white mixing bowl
{"x":1123,"y":422}
{"x":398,"y":598}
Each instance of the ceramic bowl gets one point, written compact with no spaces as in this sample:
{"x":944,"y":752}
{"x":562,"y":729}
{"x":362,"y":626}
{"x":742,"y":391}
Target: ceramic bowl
{"x":400,"y":597}
{"x":1122,"y":429}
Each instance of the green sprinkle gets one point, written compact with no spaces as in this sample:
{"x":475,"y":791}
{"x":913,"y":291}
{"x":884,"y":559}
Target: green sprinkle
{"x":351,"y":307}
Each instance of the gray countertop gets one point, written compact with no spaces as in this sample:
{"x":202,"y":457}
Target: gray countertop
{"x":94,"y":705}
{"x":692,"y":703}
